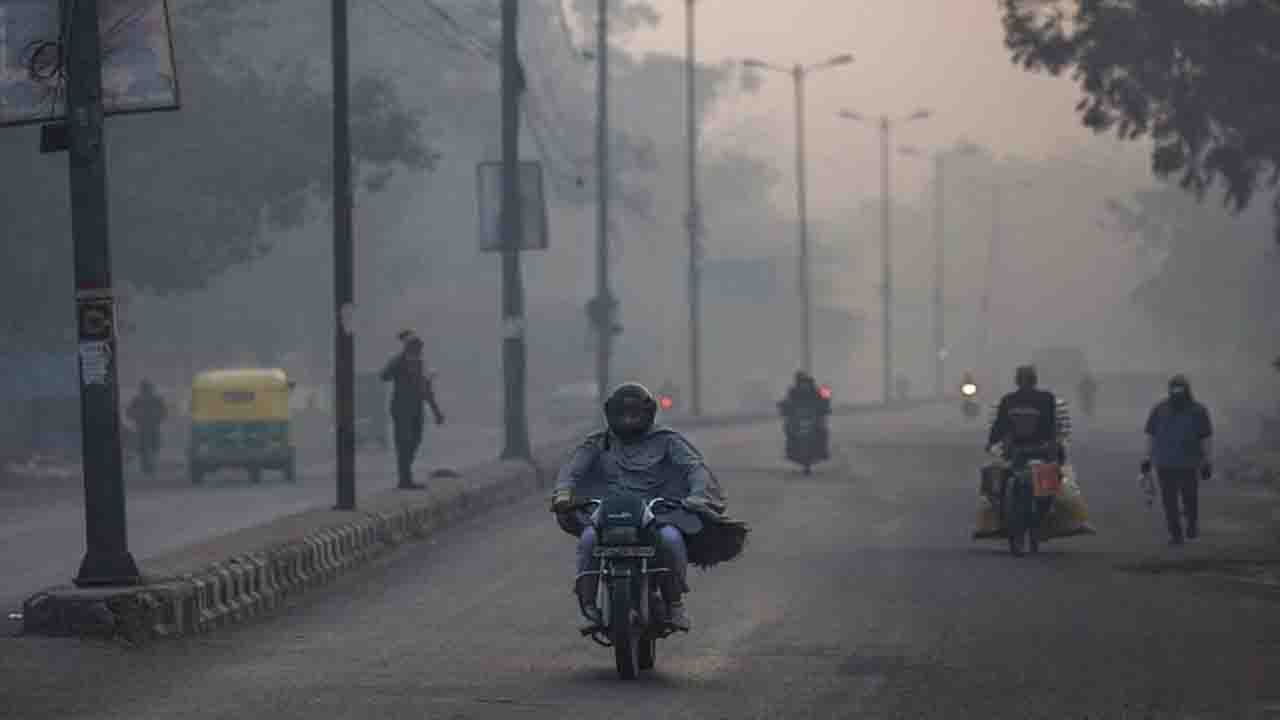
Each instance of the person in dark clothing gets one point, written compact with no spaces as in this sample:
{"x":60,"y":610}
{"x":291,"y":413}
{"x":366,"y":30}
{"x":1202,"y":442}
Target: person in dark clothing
{"x":1088,"y":391}
{"x":148,"y":412}
{"x":1028,"y":418}
{"x":805,"y":395}
{"x":1179,"y":442}
{"x":410,"y":389}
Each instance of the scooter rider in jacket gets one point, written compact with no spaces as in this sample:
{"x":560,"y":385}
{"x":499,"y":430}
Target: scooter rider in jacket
{"x":1027,"y":418}
{"x":635,"y":456}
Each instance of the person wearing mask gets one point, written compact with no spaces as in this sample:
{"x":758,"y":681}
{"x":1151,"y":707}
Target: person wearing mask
{"x":1032,"y":420}
{"x":634,"y":455}
{"x":411,"y":388}
{"x":1179,"y":444}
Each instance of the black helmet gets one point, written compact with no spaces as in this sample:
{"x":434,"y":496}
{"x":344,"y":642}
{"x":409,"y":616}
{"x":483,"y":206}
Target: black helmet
{"x":630,"y":411}
{"x":1026,"y":377}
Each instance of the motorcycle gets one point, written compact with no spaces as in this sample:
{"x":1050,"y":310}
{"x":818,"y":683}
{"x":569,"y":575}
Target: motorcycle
{"x":806,"y":441}
{"x":632,"y":611}
{"x":969,"y":391}
{"x":1020,"y":494}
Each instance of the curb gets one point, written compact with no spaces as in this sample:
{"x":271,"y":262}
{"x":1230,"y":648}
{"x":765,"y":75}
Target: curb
{"x":249,"y":585}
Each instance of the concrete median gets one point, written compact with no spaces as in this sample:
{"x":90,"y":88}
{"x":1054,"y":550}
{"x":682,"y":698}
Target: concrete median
{"x":244,"y":574}
{"x":239,"y":576}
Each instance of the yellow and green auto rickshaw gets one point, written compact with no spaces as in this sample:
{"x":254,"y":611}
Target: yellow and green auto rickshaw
{"x":240,"y":419}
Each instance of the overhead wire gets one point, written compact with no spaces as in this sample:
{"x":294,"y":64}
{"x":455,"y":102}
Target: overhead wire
{"x":550,"y":147}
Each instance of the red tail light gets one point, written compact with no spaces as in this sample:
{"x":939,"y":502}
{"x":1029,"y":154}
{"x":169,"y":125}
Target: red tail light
{"x":824,"y":392}
{"x":665,"y":402}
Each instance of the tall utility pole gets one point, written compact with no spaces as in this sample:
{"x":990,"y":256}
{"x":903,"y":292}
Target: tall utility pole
{"x":513,"y":348}
{"x":886,"y":263}
{"x":343,"y":262}
{"x":694,"y":220}
{"x":798,"y":75}
{"x":885,"y":126}
{"x":802,"y":201}
{"x":992,"y":248}
{"x":107,"y":560}
{"x":939,"y":276}
{"x":604,"y":306}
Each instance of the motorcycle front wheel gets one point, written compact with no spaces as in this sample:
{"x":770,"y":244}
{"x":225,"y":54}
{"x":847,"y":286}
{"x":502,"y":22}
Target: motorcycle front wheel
{"x":623,"y":631}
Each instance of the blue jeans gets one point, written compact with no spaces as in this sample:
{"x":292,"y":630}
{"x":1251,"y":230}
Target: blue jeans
{"x":671,"y":546}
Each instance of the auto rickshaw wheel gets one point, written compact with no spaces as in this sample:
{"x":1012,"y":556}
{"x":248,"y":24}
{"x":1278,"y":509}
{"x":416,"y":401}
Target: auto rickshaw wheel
{"x":255,"y":474}
{"x":196,"y":472}
{"x":291,"y":470}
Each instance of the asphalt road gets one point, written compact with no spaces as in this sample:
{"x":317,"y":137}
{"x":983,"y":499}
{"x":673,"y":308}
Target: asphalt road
{"x":42,"y":537}
{"x":860,"y":595}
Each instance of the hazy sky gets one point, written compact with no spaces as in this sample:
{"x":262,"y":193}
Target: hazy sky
{"x":945,"y":55}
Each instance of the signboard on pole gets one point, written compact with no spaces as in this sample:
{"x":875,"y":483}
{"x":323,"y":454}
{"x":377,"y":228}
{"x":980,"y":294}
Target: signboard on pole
{"x":137,"y":59}
{"x":532,"y":205}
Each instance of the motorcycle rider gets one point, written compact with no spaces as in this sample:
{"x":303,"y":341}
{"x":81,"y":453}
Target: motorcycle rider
{"x":634,"y":455}
{"x":1026,"y":418}
{"x":804,"y":395}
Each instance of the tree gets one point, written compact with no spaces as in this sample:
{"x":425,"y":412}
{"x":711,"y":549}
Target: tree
{"x":1214,"y":298}
{"x":1199,"y":78}
{"x":195,"y":192}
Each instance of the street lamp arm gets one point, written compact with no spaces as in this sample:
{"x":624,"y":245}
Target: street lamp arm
{"x":837,"y":61}
{"x":762,"y":65}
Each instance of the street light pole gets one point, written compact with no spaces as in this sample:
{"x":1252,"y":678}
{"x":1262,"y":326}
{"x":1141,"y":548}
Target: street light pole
{"x":694,"y":219}
{"x":992,"y":247}
{"x":802,"y":200}
{"x":798,"y":75}
{"x":604,"y":306}
{"x":939,"y":277}
{"x":886,"y":268}
{"x":885,"y":126}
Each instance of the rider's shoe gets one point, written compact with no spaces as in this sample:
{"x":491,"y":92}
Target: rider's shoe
{"x":585,"y":588}
{"x":678,"y":617}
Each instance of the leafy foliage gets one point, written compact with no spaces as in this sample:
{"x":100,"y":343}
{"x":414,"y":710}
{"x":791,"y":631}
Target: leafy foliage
{"x":1199,"y":78}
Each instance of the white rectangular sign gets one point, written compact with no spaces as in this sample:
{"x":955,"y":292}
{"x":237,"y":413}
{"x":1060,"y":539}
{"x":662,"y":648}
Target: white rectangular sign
{"x":137,"y":59}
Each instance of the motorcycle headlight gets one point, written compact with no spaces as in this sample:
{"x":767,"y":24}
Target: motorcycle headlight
{"x":621,"y":536}
{"x":968,"y":389}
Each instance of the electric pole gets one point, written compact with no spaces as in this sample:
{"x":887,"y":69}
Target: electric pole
{"x":798,"y":73}
{"x":939,"y":277}
{"x":513,"y":347}
{"x":694,"y":221}
{"x":343,"y":262}
{"x":603,"y":308}
{"x":107,"y":560}
{"x":802,"y":200}
{"x":886,"y":267}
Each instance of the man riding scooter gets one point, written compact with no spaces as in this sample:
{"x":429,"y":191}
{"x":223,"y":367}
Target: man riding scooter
{"x":1029,"y":426}
{"x":805,"y":410}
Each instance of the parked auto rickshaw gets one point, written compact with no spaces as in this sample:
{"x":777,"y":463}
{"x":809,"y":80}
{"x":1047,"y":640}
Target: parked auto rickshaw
{"x":240,"y":419}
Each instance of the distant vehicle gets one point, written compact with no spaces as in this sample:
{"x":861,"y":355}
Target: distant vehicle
{"x":574,"y":403}
{"x":240,"y":418}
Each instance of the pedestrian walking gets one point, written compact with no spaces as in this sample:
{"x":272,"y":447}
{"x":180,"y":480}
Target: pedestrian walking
{"x":147,"y":410}
{"x":1179,"y":446}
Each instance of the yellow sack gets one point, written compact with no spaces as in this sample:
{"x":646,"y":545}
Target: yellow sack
{"x":989,"y":522}
{"x":1070,"y":513}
